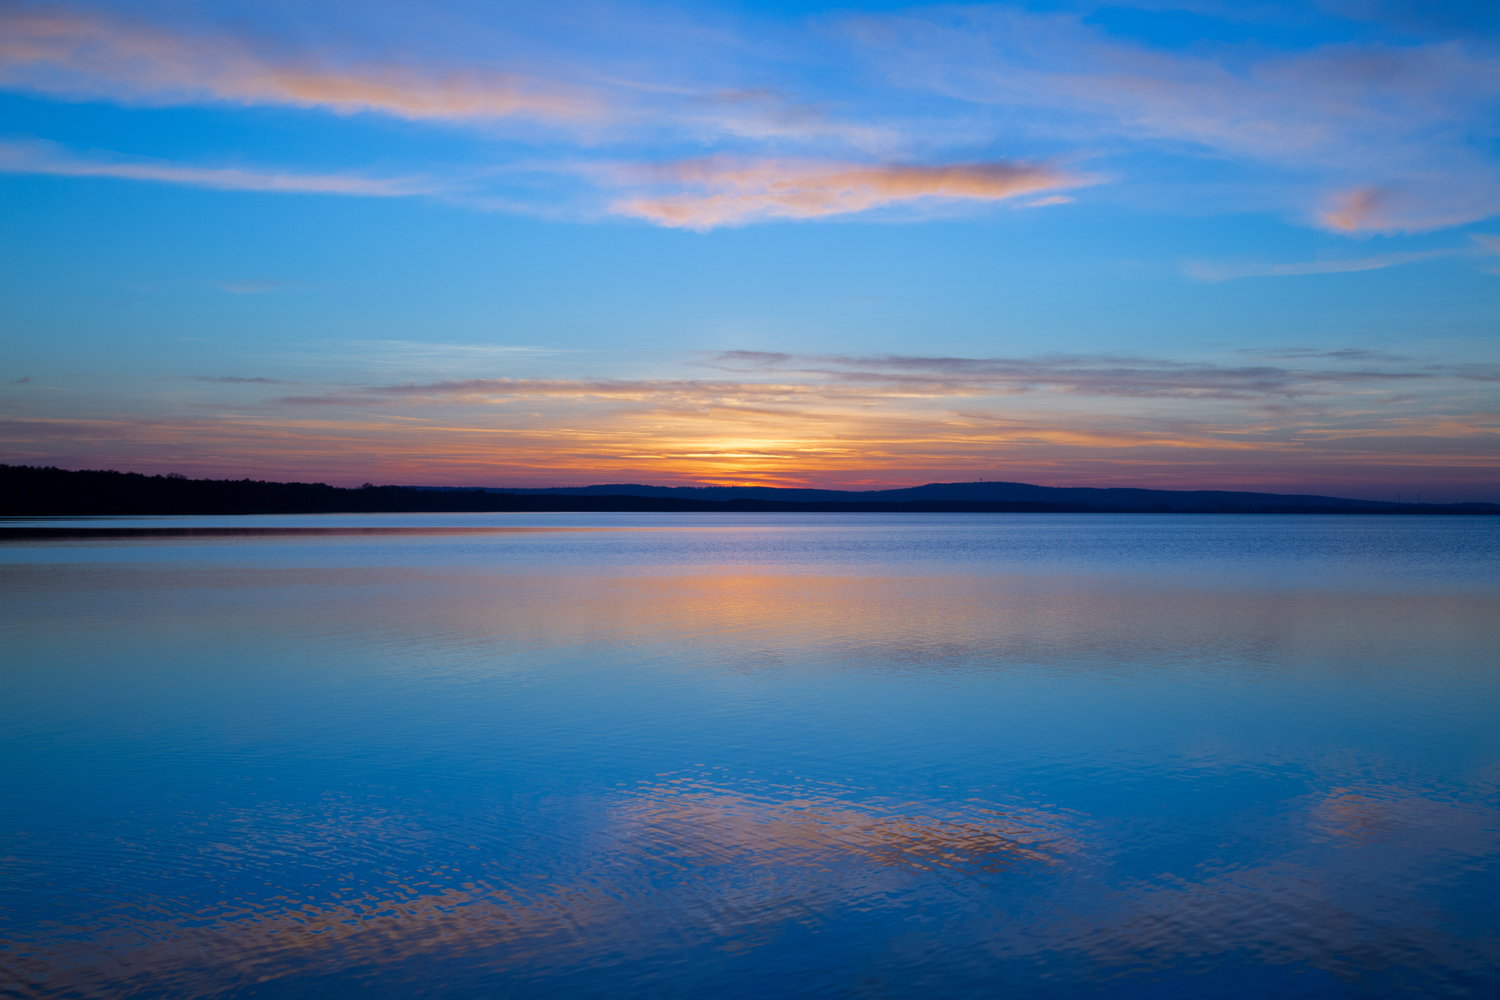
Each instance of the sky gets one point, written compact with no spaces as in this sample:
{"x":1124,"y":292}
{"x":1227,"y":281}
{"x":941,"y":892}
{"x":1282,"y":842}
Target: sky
{"x":1178,"y":245}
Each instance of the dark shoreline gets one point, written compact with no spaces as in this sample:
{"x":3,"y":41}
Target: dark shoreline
{"x":27,"y":491}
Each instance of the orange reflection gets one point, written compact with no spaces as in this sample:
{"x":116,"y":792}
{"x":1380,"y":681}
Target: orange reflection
{"x":701,"y":824}
{"x":614,"y":902}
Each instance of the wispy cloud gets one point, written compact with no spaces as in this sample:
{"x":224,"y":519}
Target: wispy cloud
{"x":777,"y":379}
{"x":1085,"y":375}
{"x":697,"y":194}
{"x":1221,"y":271}
{"x":760,"y":114}
{"x":78,"y":53}
{"x":731,"y":192}
{"x":1397,"y":137}
{"x":37,"y":157}
{"x":1338,"y":354}
{"x":1356,"y":138}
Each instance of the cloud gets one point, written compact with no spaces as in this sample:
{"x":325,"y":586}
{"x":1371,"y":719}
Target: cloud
{"x":1085,"y":375}
{"x":1341,"y":354}
{"x":1417,"y":204}
{"x":602,"y":78}
{"x":1359,"y":137}
{"x":764,"y":115}
{"x":37,"y":157}
{"x":1211,"y":271}
{"x":1355,"y":137}
{"x":796,"y":380}
{"x":1056,"y":199}
{"x":719,"y":191}
{"x":1357,"y":210}
{"x":1401,"y":134}
{"x":1476,"y":372}
{"x":75,"y":53}
{"x":689,"y":392}
{"x":22,"y":380}
{"x":732,"y":192}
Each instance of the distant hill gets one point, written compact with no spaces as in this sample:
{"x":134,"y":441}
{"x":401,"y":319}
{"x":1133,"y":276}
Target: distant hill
{"x":29,"y":491}
{"x":966,"y":492}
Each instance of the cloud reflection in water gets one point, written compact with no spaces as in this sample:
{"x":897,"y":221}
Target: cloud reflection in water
{"x":725,"y":861}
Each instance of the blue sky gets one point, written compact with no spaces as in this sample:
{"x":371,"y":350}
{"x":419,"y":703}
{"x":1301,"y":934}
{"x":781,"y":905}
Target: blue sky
{"x":1179,"y":245}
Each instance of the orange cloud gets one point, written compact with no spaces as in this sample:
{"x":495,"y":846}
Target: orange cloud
{"x":1358,"y":210}
{"x":731,"y":192}
{"x":1417,"y":205}
{"x":75,"y":53}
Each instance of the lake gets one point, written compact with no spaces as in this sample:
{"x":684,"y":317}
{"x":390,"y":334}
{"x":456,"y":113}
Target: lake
{"x":750,"y":756}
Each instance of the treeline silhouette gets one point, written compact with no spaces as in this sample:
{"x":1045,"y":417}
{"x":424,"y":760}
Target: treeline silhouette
{"x":51,"y":492}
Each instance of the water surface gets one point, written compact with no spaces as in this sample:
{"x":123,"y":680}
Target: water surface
{"x":689,"y":755}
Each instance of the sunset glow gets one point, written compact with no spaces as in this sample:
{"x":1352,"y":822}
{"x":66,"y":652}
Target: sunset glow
{"x":779,"y":244}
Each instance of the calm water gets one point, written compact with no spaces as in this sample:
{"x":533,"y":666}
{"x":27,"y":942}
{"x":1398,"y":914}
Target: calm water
{"x":687,"y":756}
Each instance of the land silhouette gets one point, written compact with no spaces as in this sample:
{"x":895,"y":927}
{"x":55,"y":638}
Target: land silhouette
{"x":34,"y":491}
